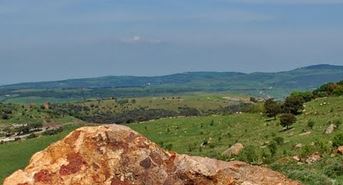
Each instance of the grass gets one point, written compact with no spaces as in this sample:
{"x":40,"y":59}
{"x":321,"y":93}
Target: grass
{"x":188,"y":135}
{"x":200,"y":101}
{"x":36,"y":100}
{"x":211,"y":135}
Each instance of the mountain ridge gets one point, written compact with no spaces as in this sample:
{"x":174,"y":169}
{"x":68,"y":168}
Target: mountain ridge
{"x":310,"y":67}
{"x":275,"y":84}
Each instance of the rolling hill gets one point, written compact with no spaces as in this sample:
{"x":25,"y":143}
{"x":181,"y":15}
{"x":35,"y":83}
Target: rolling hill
{"x":276,"y":84}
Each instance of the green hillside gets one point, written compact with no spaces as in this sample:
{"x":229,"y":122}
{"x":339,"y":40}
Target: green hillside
{"x":266,"y":143}
{"x":277,"y":84}
{"x":212,"y":135}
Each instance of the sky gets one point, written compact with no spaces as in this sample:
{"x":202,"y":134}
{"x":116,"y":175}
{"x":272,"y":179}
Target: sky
{"x":42,"y":40}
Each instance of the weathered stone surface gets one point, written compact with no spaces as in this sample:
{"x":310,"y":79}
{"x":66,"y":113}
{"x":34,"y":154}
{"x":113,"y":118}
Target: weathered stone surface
{"x":234,"y":150}
{"x":313,"y":158}
{"x":299,"y":145}
{"x":116,"y":155}
{"x":340,"y":150}
{"x":330,"y":129}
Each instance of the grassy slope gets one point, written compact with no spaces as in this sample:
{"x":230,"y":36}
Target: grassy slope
{"x":187,"y":134}
{"x":200,"y":101}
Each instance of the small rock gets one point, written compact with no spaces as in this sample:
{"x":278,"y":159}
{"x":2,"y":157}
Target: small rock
{"x":305,"y":133}
{"x":299,"y":145}
{"x":300,"y":163}
{"x":330,"y":129}
{"x":234,"y":150}
{"x":340,"y":150}
{"x":313,"y":158}
{"x":296,"y":158}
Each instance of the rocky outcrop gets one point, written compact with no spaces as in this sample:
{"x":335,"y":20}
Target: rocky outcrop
{"x":117,"y":155}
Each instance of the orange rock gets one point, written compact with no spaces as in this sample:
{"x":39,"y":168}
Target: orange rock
{"x":313,"y":158}
{"x":117,"y":155}
{"x":340,"y":150}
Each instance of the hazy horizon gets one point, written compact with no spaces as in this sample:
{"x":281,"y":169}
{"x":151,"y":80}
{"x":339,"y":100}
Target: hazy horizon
{"x":44,"y":40}
{"x":75,"y":78}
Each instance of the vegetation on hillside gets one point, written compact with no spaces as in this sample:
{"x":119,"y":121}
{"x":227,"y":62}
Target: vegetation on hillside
{"x":304,"y":147}
{"x":254,"y":84}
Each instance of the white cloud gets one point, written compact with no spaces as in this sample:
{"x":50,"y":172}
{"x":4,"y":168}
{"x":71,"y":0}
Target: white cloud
{"x":139,"y":39}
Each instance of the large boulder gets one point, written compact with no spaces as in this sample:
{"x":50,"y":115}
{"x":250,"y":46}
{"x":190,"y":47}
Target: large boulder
{"x":117,"y":155}
{"x":234,"y":150}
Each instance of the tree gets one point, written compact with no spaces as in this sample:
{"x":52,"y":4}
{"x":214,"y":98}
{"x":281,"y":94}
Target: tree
{"x":306,"y":96}
{"x":272,"y":108}
{"x":287,"y":120}
{"x":293,"y":105}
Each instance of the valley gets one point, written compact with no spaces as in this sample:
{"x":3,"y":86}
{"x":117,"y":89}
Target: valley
{"x":209,"y":125}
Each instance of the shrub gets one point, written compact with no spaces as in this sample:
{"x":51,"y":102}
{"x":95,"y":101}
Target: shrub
{"x":249,"y":154}
{"x":287,"y":120}
{"x":338,"y":140}
{"x":311,"y":124}
{"x":5,"y":116}
{"x":272,"y":148}
{"x":338,"y":123}
{"x":279,"y":140}
{"x":306,"y":151}
{"x":271,"y":108}
{"x":31,"y":136}
{"x":22,"y":130}
{"x":211,"y":123}
{"x":323,"y":147}
{"x":53,"y":131}
{"x":293,"y":105}
{"x":334,"y":170}
{"x":306,"y":96}
{"x":169,"y":146}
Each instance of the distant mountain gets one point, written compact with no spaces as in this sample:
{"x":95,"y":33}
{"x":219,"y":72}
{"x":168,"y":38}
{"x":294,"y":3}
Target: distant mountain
{"x":259,"y":84}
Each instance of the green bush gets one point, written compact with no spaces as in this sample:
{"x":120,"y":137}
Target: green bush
{"x":322,"y":146}
{"x":306,"y":151}
{"x":250,"y":154}
{"x":279,"y":140}
{"x":310,"y":124}
{"x":287,"y":120}
{"x":271,"y":108}
{"x":31,"y":136}
{"x":338,"y":140}
{"x":334,"y":170}
{"x":53,"y":131}
{"x":293,"y":105}
{"x":272,"y":148}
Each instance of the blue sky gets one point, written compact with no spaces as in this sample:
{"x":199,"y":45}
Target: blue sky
{"x":57,"y":39}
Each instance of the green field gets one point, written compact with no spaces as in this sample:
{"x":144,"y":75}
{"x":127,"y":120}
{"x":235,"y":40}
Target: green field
{"x":186,"y":135}
{"x":211,"y":135}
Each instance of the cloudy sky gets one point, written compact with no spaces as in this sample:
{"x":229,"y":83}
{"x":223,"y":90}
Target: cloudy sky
{"x":57,"y":39}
